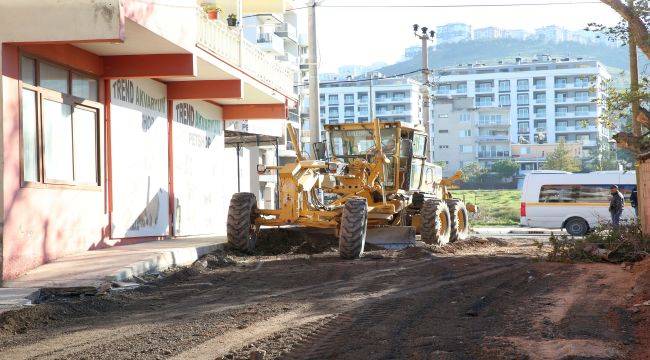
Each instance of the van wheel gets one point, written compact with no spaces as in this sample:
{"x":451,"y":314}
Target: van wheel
{"x":576,"y":226}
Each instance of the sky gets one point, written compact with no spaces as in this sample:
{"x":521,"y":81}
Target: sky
{"x":361,"y":36}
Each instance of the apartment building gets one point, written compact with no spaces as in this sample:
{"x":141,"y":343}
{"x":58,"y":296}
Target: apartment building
{"x":489,"y":33}
{"x":278,"y":35}
{"x":129,"y":121}
{"x":481,"y":111}
{"x":394,"y":99}
{"x":453,"y":33}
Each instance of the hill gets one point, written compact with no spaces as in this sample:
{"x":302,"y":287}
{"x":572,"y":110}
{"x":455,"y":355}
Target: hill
{"x":489,"y":51}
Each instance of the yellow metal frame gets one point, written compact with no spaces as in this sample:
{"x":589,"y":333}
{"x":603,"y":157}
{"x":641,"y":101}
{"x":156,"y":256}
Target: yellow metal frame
{"x":299,"y":181}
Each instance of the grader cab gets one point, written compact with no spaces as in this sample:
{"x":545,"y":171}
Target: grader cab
{"x":376,"y":175}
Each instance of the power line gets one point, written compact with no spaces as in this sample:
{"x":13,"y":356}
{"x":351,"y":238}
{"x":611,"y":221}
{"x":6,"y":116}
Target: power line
{"x":364,"y":79}
{"x":452,"y":5}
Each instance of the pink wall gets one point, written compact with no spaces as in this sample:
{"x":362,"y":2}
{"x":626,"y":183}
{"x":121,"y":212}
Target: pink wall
{"x":40,"y":224}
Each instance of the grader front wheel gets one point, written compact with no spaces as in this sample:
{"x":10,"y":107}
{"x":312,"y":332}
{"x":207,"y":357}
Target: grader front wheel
{"x":241,"y":229}
{"x":459,"y":220}
{"x":436,"y":222}
{"x":354,"y":223}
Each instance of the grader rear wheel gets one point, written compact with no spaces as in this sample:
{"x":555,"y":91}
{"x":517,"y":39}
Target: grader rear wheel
{"x":241,"y":228}
{"x":459,"y":220}
{"x":436,"y":222}
{"x":354,"y":223}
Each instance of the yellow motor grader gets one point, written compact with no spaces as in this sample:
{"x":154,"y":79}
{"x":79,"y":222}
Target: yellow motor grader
{"x":375,"y":175}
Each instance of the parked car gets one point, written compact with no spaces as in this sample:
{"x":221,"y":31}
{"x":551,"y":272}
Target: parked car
{"x":575,"y":202}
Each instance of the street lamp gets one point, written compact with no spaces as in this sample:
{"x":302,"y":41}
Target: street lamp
{"x":425,"y":36}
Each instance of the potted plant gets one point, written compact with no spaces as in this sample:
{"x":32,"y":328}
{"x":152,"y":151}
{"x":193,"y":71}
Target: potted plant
{"x":232,"y":20}
{"x":212,"y":11}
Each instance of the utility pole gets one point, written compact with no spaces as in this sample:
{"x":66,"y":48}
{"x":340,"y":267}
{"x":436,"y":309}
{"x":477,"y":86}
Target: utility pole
{"x":314,"y":98}
{"x":424,"y":89}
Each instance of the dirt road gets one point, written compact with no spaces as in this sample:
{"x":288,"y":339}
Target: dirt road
{"x":479,"y":300}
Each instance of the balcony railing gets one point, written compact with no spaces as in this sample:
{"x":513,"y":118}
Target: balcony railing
{"x":540,"y":100}
{"x":575,"y":114}
{"x":487,"y":138}
{"x":540,"y":86}
{"x":569,"y":100}
{"x":494,"y":154}
{"x":540,"y":115}
{"x":485,"y":103}
{"x":227,"y":44}
{"x":590,"y":128}
{"x":286,"y":30}
{"x":484,"y":89}
{"x":487,"y":123}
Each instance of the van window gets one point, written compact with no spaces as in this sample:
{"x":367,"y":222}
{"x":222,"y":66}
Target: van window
{"x":580,"y":193}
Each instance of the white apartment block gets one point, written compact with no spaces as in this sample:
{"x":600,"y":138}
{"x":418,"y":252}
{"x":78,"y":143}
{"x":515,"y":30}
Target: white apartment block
{"x":395,"y":99}
{"x":453,"y":33}
{"x":480,"y":111}
{"x":489,"y":33}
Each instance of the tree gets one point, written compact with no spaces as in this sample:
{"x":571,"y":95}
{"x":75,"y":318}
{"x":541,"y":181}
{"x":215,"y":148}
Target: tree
{"x":562,"y":159}
{"x":637,"y":17}
{"x":505,"y":168}
{"x":473,"y":172}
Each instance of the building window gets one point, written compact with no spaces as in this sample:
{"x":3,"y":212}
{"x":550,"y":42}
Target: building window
{"x":461,"y":88}
{"x":443,"y":146}
{"x":443,"y":116}
{"x":522,"y":99}
{"x":504,"y":100}
{"x":333,"y":99}
{"x":504,"y":85}
{"x":466,"y":149}
{"x":523,"y":128}
{"x":59,"y":125}
{"x":465,"y":133}
{"x":349,"y":98}
{"x":443,"y":131}
{"x":522,"y":113}
{"x":464,"y":117}
{"x":522,"y":85}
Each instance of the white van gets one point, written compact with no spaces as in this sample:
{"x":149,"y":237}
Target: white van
{"x":575,"y":202}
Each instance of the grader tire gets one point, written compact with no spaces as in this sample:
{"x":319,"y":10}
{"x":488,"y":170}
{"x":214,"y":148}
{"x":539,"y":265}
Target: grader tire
{"x":354,"y":223}
{"x":240,"y":228}
{"x":459,"y":220}
{"x":436,"y":222}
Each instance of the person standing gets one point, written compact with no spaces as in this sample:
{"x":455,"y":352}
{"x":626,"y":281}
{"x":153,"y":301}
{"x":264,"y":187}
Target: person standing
{"x":634,"y":202}
{"x":616,"y":205}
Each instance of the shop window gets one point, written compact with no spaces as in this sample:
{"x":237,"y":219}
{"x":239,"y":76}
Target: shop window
{"x":59,"y":125}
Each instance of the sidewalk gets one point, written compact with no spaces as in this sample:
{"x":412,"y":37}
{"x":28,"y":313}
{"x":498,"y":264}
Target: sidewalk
{"x":119,"y":263}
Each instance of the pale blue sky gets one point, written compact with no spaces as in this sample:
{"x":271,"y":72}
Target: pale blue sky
{"x":365,"y":35}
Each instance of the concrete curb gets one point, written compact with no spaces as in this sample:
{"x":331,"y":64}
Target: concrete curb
{"x":163,"y":261}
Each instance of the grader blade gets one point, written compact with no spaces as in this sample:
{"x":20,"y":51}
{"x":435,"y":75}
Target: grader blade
{"x":391,"y":237}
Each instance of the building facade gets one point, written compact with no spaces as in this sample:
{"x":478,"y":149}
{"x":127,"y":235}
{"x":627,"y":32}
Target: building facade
{"x":395,"y":99}
{"x":133,"y":121}
{"x":480,"y":112}
{"x":453,"y":33}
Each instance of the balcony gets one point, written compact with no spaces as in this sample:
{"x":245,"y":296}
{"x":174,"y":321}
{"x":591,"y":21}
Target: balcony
{"x":271,"y":43}
{"x":287,"y":31}
{"x":493,"y":138}
{"x":383,"y":99}
{"x":540,"y":115}
{"x":485,"y":104}
{"x":484,"y":89}
{"x":442,"y":92}
{"x":574,"y":100}
{"x":494,"y":154}
{"x":227,"y":43}
{"x":577,"y":114}
{"x":484,"y":123}
{"x":540,"y":100}
{"x":590,"y":128}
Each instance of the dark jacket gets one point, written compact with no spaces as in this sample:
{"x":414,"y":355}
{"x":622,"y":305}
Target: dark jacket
{"x":633,"y":199}
{"x":617,"y":203}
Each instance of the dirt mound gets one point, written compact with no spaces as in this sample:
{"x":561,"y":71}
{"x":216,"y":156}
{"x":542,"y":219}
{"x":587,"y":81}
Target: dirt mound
{"x":285,"y":241}
{"x":472,"y":243}
{"x":641,"y":317}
